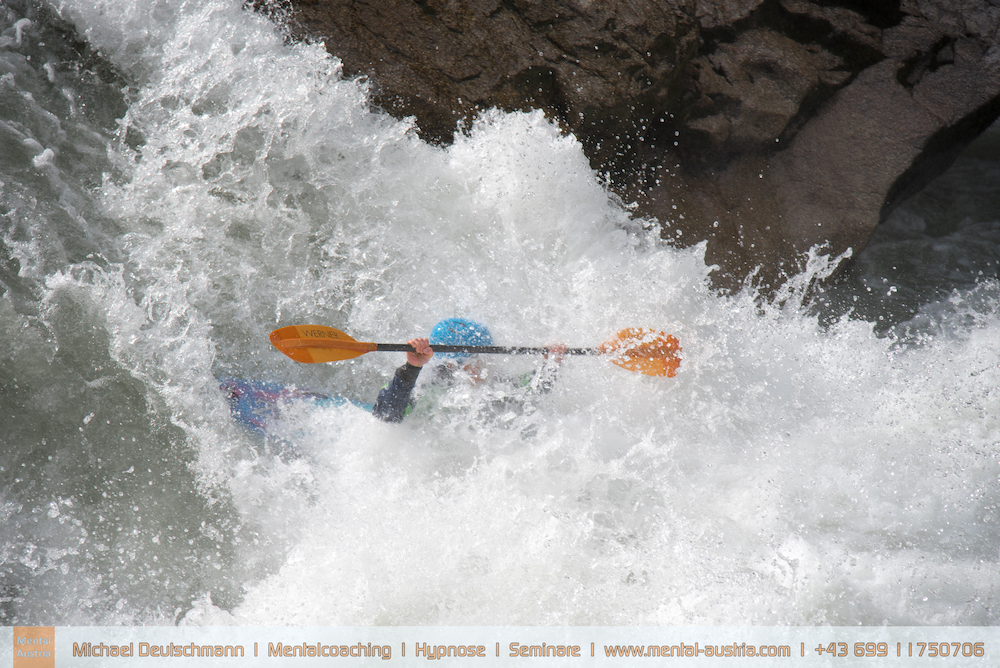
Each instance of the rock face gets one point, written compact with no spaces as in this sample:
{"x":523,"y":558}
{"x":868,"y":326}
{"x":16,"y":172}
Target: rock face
{"x":761,"y":126}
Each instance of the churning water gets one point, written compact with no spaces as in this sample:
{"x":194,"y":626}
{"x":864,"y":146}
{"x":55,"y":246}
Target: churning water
{"x":176,"y":180}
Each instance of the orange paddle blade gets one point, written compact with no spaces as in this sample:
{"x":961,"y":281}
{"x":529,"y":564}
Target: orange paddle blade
{"x":644,"y":350}
{"x":311,"y":344}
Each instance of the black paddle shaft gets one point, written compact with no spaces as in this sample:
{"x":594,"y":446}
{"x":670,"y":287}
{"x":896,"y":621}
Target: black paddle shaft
{"x":487,"y":350}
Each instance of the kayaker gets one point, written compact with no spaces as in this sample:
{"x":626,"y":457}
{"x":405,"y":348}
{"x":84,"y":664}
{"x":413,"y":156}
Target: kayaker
{"x":396,"y":399}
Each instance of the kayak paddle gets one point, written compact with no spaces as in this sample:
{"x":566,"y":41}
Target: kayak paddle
{"x":635,"y":348}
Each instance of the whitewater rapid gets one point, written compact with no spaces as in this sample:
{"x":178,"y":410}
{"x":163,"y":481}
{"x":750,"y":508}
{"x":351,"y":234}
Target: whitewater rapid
{"x":199,"y":180}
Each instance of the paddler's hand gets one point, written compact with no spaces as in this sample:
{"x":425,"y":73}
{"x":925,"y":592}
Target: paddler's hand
{"x":555,"y":352}
{"x":423,"y":352}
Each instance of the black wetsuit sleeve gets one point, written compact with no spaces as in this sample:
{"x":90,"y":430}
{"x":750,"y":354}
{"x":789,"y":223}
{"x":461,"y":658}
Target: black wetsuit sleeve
{"x":394,"y":398}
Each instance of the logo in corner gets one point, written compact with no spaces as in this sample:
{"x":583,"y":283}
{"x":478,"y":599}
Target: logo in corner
{"x":34,"y":647}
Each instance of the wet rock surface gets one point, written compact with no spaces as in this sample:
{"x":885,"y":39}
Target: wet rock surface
{"x":762,"y":126}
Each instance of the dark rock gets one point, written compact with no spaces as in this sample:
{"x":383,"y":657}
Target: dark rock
{"x":442,"y":60}
{"x":762,"y":126}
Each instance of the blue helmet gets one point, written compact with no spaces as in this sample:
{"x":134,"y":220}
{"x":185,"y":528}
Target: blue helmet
{"x":458,"y":332}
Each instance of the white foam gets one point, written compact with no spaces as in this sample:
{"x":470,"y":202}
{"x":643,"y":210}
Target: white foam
{"x":44,"y":159}
{"x":20,"y":27}
{"x":791,"y":473}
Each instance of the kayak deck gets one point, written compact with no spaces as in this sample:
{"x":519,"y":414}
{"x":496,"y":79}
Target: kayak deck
{"x":256,"y":404}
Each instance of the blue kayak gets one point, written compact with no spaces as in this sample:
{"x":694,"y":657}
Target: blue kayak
{"x":257,"y":404}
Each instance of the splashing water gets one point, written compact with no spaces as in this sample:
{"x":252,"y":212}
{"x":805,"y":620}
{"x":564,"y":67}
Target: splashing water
{"x":184,"y":181}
